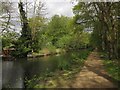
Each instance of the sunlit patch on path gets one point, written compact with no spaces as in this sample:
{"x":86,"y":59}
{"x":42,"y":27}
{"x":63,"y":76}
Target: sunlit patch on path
{"x":93,"y":75}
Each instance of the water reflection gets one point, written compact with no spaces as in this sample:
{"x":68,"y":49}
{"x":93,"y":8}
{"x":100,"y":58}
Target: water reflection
{"x":12,"y":75}
{"x":14,"y":72}
{"x":0,"y":73}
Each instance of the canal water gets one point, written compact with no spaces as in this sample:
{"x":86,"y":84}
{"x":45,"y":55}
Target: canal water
{"x":15,"y":72}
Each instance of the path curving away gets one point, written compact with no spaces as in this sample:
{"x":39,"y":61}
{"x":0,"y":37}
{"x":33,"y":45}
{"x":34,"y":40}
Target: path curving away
{"x":93,"y":75}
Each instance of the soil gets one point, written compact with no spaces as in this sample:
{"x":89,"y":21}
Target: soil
{"x":93,"y":75}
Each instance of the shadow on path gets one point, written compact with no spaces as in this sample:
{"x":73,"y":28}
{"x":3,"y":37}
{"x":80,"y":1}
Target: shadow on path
{"x":93,"y":75}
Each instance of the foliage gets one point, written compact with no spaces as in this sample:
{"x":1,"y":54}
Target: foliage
{"x":49,"y":50}
{"x":36,"y":25}
{"x":8,"y":39}
{"x":64,"y":33}
{"x":64,"y":42}
{"x":64,"y":72}
{"x":113,"y":68}
{"x":22,"y":49}
{"x":57,"y":28}
{"x":102,"y":17}
{"x":59,"y":32}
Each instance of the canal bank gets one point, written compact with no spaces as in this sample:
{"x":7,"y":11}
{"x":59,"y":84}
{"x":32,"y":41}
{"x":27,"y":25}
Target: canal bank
{"x":40,"y":68}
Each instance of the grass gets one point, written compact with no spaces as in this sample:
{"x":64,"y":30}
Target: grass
{"x":50,"y":51}
{"x":54,"y":79}
{"x":111,"y":66}
{"x":61,"y":77}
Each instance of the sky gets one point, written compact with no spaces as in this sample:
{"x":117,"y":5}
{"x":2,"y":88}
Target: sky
{"x":60,"y":7}
{"x":53,"y":7}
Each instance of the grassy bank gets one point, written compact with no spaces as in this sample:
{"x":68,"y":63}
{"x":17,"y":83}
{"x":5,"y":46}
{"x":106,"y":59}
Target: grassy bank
{"x":46,"y":52}
{"x":111,"y":66}
{"x":62,"y":76}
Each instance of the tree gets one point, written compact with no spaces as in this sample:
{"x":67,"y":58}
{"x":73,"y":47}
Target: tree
{"x":6,"y":11}
{"x":103,"y":17}
{"x":63,"y":32}
{"x":8,"y":38}
{"x":57,"y":28}
{"x":36,"y":25}
{"x":23,"y":45}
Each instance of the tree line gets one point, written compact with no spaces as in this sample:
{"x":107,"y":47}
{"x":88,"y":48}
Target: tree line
{"x":105,"y":19}
{"x":69,"y":33}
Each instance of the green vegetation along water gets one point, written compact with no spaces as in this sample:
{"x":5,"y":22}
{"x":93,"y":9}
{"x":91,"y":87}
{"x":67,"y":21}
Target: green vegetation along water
{"x":30,"y":72}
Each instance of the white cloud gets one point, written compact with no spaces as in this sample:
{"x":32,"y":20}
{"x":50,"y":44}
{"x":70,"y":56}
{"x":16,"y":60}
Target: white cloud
{"x":60,"y":7}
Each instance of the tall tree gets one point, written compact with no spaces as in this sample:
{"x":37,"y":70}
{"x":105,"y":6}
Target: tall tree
{"x":103,"y":17}
{"x":26,"y":32}
{"x":36,"y":23}
{"x":23,"y":46}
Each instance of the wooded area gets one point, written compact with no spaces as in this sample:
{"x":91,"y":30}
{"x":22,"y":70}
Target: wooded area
{"x":94,"y":26}
{"x":65,"y":32}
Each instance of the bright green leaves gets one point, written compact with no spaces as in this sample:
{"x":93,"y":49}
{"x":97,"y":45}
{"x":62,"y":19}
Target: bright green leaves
{"x":58,"y":31}
{"x":64,"y":41}
{"x":8,"y":38}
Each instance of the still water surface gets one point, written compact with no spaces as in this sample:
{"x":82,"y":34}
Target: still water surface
{"x":15,"y":72}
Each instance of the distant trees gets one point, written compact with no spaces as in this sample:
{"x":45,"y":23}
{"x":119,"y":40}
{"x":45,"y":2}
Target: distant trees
{"x":5,"y":16}
{"x":7,"y":32}
{"x":103,"y":17}
{"x":36,"y":24}
{"x":55,"y":29}
{"x":38,"y":32}
{"x":62,"y":32}
{"x":28,"y":40}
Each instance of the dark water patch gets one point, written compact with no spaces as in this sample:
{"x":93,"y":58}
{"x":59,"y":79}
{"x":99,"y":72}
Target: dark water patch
{"x":16,"y":72}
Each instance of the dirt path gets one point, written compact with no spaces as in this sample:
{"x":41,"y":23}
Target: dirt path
{"x":93,"y":75}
